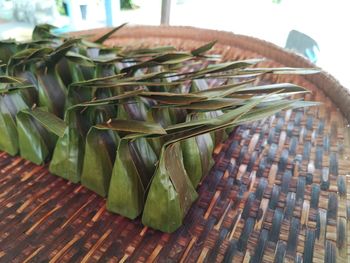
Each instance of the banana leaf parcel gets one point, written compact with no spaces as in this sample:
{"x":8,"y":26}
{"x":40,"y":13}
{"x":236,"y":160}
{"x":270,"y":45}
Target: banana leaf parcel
{"x":12,"y":101}
{"x":68,"y":156}
{"x":197,"y":157}
{"x":132,"y":172}
{"x":171,"y":193}
{"x":100,"y":151}
{"x":135,"y":125}
{"x":36,"y":143}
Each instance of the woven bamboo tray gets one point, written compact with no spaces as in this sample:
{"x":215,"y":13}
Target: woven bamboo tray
{"x":277,"y":192}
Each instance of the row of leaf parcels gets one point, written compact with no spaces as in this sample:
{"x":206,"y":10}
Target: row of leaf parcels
{"x":135,"y":125}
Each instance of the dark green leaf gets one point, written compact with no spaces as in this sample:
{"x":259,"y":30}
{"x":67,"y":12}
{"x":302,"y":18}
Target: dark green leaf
{"x":203,"y":49}
{"x":165,"y":59}
{"x":7,"y":49}
{"x":43,"y":31}
{"x":212,"y":104}
{"x":223,"y":67}
{"x":173,"y":98}
{"x":284,"y":87}
{"x":79,"y":59}
{"x":132,"y":126}
{"x":14,"y":88}
{"x":61,"y":50}
{"x":103,"y":38}
{"x":225,"y":90}
{"x":147,"y":51}
{"x":10,"y":80}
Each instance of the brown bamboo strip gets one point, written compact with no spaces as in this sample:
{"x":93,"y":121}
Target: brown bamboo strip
{"x":27,"y":175}
{"x":211,"y":205}
{"x":37,"y":195}
{"x":64,"y":249}
{"x":78,"y":211}
{"x":98,"y":214}
{"x":13,"y":164}
{"x":98,"y":243}
{"x":28,"y":259}
{"x":30,"y":230}
{"x":43,"y":204}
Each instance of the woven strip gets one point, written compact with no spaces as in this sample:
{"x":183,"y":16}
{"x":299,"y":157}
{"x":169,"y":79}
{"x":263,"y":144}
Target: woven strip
{"x":277,"y":192}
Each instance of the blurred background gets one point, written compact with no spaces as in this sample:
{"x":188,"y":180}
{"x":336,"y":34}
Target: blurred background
{"x":313,"y":28}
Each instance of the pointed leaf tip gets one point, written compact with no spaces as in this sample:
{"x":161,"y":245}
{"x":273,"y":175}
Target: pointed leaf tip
{"x":203,"y":49}
{"x":109,"y":34}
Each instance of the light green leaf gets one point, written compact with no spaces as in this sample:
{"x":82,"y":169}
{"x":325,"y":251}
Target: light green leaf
{"x":50,"y":121}
{"x":132,"y":126}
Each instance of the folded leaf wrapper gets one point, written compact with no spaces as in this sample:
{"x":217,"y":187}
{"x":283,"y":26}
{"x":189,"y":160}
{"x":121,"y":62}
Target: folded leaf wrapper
{"x":171,"y":192}
{"x":52,"y":92}
{"x":100,"y":151}
{"x":197,"y":155}
{"x":132,"y":172}
{"x":138,"y":126}
{"x":68,"y":157}
{"x":36,"y":144}
{"x":10,"y":105}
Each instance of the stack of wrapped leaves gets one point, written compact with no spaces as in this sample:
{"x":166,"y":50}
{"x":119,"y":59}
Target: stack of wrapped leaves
{"x":137,"y":126}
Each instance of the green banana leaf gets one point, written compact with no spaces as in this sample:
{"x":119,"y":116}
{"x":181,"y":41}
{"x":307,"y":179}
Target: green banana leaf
{"x":103,"y":38}
{"x":126,"y":191}
{"x":66,"y":138}
{"x":200,"y":86}
{"x":192,"y":160}
{"x":171,"y":193}
{"x":100,"y":151}
{"x":52,"y":92}
{"x":136,"y":124}
{"x":50,"y":88}
{"x":36,"y":144}
{"x":67,"y":160}
{"x":135,"y":108}
{"x":197,"y":156}
{"x":68,"y":156}
{"x":43,"y":31}
{"x":133,"y":169}
{"x":10,"y":105}
{"x":203,"y":49}
{"x":14,"y":97}
{"x":7,"y":49}
{"x":71,"y":72}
